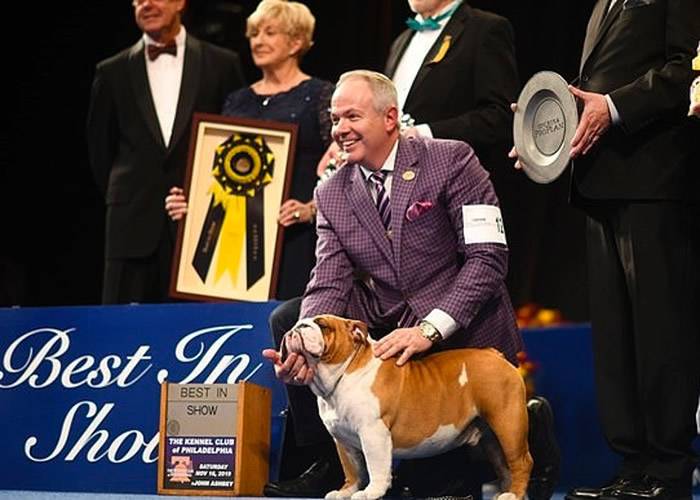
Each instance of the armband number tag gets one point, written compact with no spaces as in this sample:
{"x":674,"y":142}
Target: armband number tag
{"x":483,"y":224}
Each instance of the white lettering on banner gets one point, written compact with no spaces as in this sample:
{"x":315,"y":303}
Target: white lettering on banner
{"x":204,"y":356}
{"x":39,"y":358}
{"x":32,"y":363}
{"x":97,"y":378}
{"x":117,"y":452}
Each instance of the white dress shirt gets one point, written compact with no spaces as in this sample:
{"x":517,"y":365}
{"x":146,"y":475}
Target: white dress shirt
{"x":164,"y":79}
{"x":412,"y":60}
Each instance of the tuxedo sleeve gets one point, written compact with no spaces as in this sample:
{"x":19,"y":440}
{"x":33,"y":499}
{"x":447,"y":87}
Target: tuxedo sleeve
{"x":101,"y":129}
{"x":495,"y":87}
{"x":329,"y":287}
{"x":663,"y":90}
{"x":485,"y":264}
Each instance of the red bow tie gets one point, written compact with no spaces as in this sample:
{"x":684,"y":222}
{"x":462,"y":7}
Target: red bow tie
{"x":155,"y":50}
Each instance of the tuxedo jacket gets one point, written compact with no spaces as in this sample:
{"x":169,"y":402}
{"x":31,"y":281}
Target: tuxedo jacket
{"x":640,"y":54}
{"x":131,"y":164}
{"x":362,"y":273}
{"x":466,"y":94}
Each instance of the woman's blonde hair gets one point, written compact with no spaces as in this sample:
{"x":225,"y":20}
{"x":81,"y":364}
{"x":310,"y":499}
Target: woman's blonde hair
{"x":294,"y":18}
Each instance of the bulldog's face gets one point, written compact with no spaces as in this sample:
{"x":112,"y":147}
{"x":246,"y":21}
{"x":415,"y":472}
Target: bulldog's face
{"x":324,"y":339}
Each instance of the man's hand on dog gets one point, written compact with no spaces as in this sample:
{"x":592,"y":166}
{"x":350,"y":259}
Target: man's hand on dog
{"x":293,"y":371}
{"x":407,"y":341}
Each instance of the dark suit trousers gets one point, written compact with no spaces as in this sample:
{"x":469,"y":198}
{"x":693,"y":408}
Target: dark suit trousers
{"x":143,"y":279}
{"x":643,"y":272}
{"x":308,"y":427}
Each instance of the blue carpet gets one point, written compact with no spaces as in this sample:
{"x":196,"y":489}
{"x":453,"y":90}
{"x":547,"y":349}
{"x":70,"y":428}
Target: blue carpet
{"x":48,"y":495}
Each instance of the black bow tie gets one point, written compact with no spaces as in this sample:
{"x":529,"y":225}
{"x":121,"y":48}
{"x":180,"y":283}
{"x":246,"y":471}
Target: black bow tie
{"x":155,"y":50}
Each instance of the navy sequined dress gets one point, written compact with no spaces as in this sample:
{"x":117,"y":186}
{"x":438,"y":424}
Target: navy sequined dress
{"x":306,"y":105}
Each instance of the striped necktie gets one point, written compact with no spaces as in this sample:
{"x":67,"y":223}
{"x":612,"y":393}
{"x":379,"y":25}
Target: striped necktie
{"x":383,"y":205}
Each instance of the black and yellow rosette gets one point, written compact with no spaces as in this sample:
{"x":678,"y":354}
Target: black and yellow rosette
{"x":243,"y":166}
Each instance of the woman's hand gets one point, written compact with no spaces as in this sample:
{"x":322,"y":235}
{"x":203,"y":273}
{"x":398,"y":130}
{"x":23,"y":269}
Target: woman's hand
{"x":176,"y":204}
{"x":294,"y":212}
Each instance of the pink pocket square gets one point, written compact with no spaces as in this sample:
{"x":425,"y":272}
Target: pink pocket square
{"x":418,"y":209}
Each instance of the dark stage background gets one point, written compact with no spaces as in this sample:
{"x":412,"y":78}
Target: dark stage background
{"x":51,"y":251}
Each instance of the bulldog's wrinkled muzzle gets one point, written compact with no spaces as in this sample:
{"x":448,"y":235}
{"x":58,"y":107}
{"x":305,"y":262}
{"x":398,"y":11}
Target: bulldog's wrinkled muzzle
{"x":294,"y":341}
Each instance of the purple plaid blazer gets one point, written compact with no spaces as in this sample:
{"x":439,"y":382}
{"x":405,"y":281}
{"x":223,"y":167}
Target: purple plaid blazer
{"x":363,"y":274}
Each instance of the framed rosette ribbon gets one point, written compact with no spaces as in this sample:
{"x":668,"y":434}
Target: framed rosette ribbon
{"x":229,"y":242}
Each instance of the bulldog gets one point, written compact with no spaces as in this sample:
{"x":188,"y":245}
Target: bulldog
{"x":377,"y":411}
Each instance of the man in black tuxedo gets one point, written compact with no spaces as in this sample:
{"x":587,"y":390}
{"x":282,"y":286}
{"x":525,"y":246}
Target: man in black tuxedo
{"x":636,"y":177}
{"x":138,"y":132}
{"x":455,"y":73}
{"x":454,"y":69}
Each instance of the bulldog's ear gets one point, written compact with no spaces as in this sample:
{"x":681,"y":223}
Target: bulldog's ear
{"x":358,"y":331}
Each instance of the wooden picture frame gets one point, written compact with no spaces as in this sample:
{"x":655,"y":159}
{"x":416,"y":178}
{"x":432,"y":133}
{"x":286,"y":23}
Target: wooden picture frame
{"x":238,"y":175}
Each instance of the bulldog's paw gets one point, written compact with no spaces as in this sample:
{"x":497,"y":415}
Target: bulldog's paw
{"x":338,"y":494}
{"x":505,"y":496}
{"x":369,"y":494}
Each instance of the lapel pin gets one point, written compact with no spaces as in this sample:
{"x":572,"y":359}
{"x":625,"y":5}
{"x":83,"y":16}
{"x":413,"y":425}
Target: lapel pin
{"x":444,"y":47}
{"x":408,"y":175}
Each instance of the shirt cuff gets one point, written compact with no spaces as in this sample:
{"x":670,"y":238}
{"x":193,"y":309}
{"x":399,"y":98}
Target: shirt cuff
{"x":614,"y":115}
{"x":423,"y":130}
{"x":444,"y":323}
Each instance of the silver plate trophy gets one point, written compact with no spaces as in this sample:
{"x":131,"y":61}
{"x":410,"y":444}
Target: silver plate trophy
{"x":544,"y":125}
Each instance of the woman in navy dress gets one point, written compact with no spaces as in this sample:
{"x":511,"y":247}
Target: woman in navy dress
{"x":280,"y":33}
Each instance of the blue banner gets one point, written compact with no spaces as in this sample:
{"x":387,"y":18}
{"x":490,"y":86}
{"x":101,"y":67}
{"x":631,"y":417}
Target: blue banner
{"x":80,"y":389}
{"x":80,"y":386}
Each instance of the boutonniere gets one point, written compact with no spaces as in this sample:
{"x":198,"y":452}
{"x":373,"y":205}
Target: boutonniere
{"x":444,"y":47}
{"x":417,"y":209}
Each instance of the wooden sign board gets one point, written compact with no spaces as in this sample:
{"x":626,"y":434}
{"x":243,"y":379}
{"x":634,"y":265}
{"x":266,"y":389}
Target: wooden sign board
{"x":214,"y":439}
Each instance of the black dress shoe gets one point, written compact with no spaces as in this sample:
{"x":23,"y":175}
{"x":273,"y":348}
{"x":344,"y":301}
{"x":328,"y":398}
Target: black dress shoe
{"x":607,"y":491}
{"x":397,"y":492}
{"x":323,"y":476}
{"x":451,"y":497}
{"x":649,"y":488}
{"x":455,"y":489}
{"x":543,"y":449}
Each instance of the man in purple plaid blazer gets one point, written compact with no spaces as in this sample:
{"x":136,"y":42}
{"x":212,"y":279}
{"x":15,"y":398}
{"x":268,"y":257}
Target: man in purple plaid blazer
{"x":428,"y":273}
{"x":421,"y":267}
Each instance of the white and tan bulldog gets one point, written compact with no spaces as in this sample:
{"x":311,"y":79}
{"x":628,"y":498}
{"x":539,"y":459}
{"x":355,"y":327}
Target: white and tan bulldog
{"x":376,"y":410}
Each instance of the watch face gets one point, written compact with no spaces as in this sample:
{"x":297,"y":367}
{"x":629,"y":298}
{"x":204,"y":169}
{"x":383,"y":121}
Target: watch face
{"x":429,"y":332}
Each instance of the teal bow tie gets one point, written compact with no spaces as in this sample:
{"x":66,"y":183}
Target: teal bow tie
{"x":432,"y":23}
{"x":427,"y":25}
